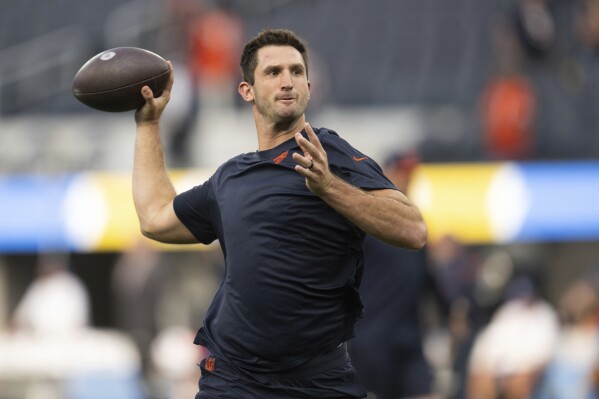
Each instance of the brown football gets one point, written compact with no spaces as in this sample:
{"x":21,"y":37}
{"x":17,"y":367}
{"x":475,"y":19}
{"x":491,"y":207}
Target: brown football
{"x":112,"y":80}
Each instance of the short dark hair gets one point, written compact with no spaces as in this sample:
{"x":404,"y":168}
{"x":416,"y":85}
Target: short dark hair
{"x":267,"y":37}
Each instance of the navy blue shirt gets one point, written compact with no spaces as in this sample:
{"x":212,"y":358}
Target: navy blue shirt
{"x":289,"y":291}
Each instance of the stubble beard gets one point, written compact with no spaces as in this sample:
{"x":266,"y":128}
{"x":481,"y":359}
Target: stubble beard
{"x":281,"y":118}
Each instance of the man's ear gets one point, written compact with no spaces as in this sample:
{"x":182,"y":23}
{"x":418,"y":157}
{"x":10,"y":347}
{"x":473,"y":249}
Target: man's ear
{"x":246,"y":91}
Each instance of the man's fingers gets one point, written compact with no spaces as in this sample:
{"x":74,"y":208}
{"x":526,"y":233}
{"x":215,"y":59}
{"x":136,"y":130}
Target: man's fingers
{"x":306,"y":145}
{"x":146,"y":92}
{"x":153,"y":107}
{"x":302,"y":142}
{"x":309,"y":130}
{"x":303,"y":160}
{"x":312,"y":149}
{"x":312,"y":136}
{"x":171,"y":79}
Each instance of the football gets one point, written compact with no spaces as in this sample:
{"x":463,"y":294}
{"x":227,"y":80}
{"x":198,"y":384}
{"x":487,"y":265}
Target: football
{"x":112,"y":80}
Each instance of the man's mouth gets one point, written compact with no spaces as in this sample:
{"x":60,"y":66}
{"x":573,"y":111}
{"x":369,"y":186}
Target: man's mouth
{"x":286,"y":98}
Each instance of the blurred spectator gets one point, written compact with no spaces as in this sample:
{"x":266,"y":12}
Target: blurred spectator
{"x":216,"y":37}
{"x":136,"y":285}
{"x":588,"y":26}
{"x":187,"y":290}
{"x":174,"y":362}
{"x":570,"y":375}
{"x":508,"y":103}
{"x":53,"y":352}
{"x":178,"y":17}
{"x":535,"y":26}
{"x":387,"y":351}
{"x":3,"y":295}
{"x":181,"y":119}
{"x":512,"y":352}
{"x":157,"y":297}
{"x":588,"y":23}
{"x":190,"y":285}
{"x":458,"y":271}
{"x":206,"y":40}
{"x":55,"y":303}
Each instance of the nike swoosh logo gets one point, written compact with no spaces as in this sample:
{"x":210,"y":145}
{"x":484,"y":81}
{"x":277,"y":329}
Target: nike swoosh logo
{"x":359,"y":159}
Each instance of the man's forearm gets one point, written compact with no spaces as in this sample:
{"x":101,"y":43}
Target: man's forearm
{"x":385,"y":214}
{"x":152,"y":187}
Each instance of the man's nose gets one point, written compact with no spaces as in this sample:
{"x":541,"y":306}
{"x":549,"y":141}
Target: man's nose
{"x":286,"y":82}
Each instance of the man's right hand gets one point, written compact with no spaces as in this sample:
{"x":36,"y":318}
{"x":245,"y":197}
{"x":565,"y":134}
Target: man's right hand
{"x":151,"y":111}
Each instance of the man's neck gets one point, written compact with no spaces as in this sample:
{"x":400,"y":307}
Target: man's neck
{"x":271,"y":135}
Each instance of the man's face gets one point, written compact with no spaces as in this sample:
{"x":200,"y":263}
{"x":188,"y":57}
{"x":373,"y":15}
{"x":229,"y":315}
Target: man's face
{"x":281,"y":88}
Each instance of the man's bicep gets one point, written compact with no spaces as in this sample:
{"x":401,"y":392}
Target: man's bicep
{"x":168,"y":228}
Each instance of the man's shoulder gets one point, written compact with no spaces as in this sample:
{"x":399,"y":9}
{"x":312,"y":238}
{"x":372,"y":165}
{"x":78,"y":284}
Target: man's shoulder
{"x":334,"y":143}
{"x":330,"y":138}
{"x":236,"y":162}
{"x":326,"y":133}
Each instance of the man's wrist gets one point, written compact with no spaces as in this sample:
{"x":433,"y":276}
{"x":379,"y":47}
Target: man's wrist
{"x":333,"y":188}
{"x":150,"y":124}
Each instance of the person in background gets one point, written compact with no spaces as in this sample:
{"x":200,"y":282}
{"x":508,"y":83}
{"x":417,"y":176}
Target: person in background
{"x":388,"y":349}
{"x":55,"y":303}
{"x":571,"y":372}
{"x":137,"y":285}
{"x":512,"y":352}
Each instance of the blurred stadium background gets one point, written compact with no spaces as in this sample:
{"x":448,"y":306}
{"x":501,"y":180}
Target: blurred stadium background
{"x":499,"y":98}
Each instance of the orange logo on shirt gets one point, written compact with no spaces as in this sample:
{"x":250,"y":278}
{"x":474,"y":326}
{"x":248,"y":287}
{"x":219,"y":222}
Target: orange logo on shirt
{"x":210,"y":364}
{"x":280,"y":158}
{"x":359,"y":159}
